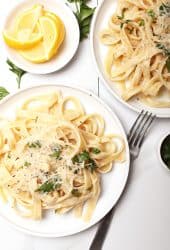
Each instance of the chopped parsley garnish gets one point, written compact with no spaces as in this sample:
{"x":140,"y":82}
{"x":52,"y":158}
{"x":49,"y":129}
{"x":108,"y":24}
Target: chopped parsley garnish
{"x":142,"y":22}
{"x":166,"y":52}
{"x":91,"y":165}
{"x":164,"y":9}
{"x":85,"y":157}
{"x":95,"y":151}
{"x":122,"y":19}
{"x":76,"y":171}
{"x":122,"y":16}
{"x":76,"y":192}
{"x":168,"y":64}
{"x":9,"y":156}
{"x":48,"y":186}
{"x":126,"y":21}
{"x":152,"y":14}
{"x":27,"y":164}
{"x":56,"y":152}
{"x":35,"y":144}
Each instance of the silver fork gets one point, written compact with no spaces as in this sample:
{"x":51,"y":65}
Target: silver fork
{"x":135,"y":137}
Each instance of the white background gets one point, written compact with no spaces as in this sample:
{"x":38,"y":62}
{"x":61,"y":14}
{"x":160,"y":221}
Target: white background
{"x":142,"y":217}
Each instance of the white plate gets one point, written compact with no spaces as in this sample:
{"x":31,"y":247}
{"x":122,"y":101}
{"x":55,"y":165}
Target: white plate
{"x":113,"y":183}
{"x":66,"y":51}
{"x":100,"y":21}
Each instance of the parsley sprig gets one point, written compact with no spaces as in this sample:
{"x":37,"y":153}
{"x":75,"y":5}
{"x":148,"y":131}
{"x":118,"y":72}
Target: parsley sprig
{"x":84,"y":14}
{"x":3,"y":92}
{"x":18,"y":71}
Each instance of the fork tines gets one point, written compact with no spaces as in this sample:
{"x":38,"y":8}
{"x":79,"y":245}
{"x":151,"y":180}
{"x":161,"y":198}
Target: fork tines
{"x":140,"y":128}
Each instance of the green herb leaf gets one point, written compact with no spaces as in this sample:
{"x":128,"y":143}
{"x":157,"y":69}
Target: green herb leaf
{"x":85,"y":12}
{"x":152,"y":14}
{"x":35,"y":144}
{"x":48,"y":186}
{"x":3,"y":92}
{"x":85,"y":157}
{"x":164,"y":9}
{"x":142,"y":22}
{"x":122,"y":16}
{"x":18,"y":71}
{"x":91,"y":165}
{"x":76,"y":192}
{"x":27,"y":164}
{"x":84,"y":15}
{"x":168,"y":64}
{"x":121,"y":25}
{"x":95,"y":151}
{"x":166,"y":52}
{"x":56,"y":152}
{"x":122,"y":19}
{"x":9,"y":156}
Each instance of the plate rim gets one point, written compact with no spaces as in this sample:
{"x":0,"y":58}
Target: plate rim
{"x":101,"y":76}
{"x":20,"y":65}
{"x":118,"y":122}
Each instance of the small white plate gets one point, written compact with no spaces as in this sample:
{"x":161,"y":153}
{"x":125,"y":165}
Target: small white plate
{"x":66,"y":51}
{"x":112,"y":183}
{"x":100,"y":22}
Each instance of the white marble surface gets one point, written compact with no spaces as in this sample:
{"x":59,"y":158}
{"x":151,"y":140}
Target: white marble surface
{"x":142,"y":218}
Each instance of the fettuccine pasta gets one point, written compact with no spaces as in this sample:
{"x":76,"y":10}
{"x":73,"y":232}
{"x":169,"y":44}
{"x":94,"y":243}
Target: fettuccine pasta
{"x":52,"y":156}
{"x":138,"y":58}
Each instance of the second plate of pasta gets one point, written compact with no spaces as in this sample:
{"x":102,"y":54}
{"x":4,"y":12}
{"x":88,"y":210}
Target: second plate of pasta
{"x":64,"y":160}
{"x":129,"y":41}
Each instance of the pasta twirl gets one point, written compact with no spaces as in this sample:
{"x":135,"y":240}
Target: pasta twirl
{"x":52,"y":156}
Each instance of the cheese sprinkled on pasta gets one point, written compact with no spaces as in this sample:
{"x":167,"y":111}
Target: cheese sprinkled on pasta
{"x":52,"y":156}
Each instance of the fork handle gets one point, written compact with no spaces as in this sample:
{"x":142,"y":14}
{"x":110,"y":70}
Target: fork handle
{"x":99,"y":238}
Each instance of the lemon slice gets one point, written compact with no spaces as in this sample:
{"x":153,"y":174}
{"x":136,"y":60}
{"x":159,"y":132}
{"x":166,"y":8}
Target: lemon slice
{"x":22,"y":42}
{"x":60,"y":27}
{"x":44,"y":50}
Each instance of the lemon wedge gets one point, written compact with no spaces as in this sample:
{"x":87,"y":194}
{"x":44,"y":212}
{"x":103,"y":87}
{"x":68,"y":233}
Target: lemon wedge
{"x":23,"y":36}
{"x":44,"y":50}
{"x":22,"y":42}
{"x":28,"y":19}
{"x":60,"y":28}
